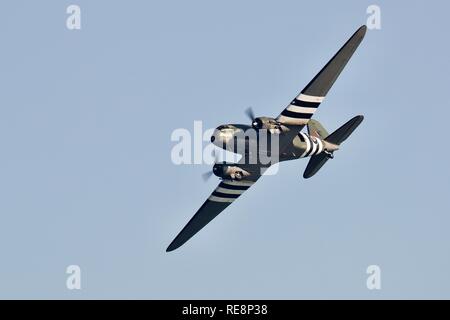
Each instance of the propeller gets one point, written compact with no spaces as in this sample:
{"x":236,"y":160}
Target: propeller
{"x":249,"y":112}
{"x":207,"y":175}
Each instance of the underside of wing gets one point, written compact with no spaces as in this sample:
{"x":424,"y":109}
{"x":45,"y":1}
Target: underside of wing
{"x":297,"y":114}
{"x":225,"y":193}
{"x":301,"y":109}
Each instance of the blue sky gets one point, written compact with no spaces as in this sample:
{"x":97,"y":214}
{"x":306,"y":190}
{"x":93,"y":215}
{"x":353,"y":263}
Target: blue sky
{"x":86,"y":176}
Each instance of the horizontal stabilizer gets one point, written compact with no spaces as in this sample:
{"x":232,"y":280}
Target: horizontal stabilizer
{"x":315,"y":163}
{"x":341,"y":134}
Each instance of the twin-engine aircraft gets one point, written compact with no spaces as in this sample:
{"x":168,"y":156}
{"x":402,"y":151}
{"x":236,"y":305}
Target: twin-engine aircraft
{"x":285,"y":133}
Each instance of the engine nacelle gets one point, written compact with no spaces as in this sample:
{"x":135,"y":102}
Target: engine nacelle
{"x":226,"y":171}
{"x":268,"y":124}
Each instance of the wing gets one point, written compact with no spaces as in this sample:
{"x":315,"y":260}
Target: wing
{"x":225,"y":193}
{"x":297,"y":114}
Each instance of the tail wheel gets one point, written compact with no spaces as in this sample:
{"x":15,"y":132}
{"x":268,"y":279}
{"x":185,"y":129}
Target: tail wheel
{"x":329,"y":154}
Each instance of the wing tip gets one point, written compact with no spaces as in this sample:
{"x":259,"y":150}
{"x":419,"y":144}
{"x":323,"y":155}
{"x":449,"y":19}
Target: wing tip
{"x":172,"y":247}
{"x":359,"y":118}
{"x":362,"y":30}
{"x":307,"y":176}
{"x":360,"y":34}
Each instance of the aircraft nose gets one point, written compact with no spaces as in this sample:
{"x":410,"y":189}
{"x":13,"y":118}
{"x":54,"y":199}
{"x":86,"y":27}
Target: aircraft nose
{"x":215,"y":136}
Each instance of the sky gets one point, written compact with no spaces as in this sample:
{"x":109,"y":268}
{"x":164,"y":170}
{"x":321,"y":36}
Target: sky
{"x":87,"y":179}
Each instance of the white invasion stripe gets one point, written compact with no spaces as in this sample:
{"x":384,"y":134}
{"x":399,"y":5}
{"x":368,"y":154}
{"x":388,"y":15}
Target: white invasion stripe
{"x":308,"y":144}
{"x":313,"y":147}
{"x":293,"y":121}
{"x":301,"y":109}
{"x":305,"y":97}
{"x":220,"y":199}
{"x":245,"y":183}
{"x":320,"y":144}
{"x":229,"y":191}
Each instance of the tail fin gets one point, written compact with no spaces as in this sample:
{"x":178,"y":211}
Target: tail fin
{"x":316,"y":129}
{"x":337,"y":137}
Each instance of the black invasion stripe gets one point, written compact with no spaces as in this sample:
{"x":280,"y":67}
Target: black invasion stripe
{"x":302,"y":139}
{"x":233,"y":187}
{"x":312,"y":147}
{"x":225,"y":195}
{"x":318,"y":148}
{"x":305,"y":104}
{"x":297,"y":115}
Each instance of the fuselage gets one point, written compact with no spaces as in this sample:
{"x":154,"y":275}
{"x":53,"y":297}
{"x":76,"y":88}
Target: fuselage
{"x":246,"y":140}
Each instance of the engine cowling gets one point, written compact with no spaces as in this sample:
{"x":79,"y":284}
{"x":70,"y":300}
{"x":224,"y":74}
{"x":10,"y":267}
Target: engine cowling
{"x":232,"y":172}
{"x":268,"y":124}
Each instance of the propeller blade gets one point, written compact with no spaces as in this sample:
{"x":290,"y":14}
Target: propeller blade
{"x":249,"y":112}
{"x":207,"y":175}
{"x":215,"y":155}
